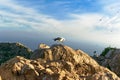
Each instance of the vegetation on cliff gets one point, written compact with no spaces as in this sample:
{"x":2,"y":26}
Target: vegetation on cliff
{"x":106,"y":50}
{"x":10,"y":50}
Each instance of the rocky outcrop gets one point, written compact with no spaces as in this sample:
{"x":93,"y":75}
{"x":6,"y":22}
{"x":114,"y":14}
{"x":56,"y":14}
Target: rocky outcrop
{"x":111,"y":60}
{"x":43,"y":46}
{"x":10,"y":50}
{"x":59,"y":62}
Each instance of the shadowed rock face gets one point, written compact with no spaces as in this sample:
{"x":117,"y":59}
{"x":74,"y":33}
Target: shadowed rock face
{"x":111,"y":60}
{"x":59,"y":62}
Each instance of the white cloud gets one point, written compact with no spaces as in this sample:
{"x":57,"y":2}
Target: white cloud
{"x":112,"y":14}
{"x":81,"y":26}
{"x":22,"y":17}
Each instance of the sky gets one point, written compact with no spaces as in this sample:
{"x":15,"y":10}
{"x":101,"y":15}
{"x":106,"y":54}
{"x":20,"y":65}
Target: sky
{"x":86,"y":24}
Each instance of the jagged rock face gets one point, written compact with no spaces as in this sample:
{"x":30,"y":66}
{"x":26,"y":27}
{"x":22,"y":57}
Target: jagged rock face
{"x":56,"y":63}
{"x":61,"y":52}
{"x":112,"y":61}
{"x":10,"y":50}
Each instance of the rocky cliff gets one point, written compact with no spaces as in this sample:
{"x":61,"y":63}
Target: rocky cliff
{"x":10,"y":50}
{"x":59,"y":62}
{"x":111,"y":60}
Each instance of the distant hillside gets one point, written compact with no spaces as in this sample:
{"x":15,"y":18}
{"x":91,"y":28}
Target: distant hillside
{"x":110,"y":58}
{"x":10,"y":50}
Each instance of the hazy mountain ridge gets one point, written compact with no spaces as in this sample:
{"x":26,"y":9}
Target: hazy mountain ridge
{"x":58,"y":62}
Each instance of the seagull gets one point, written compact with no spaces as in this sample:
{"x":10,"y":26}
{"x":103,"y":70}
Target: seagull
{"x":59,"y":39}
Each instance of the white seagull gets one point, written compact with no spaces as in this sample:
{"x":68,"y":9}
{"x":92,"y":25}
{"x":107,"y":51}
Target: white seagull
{"x":59,"y":39}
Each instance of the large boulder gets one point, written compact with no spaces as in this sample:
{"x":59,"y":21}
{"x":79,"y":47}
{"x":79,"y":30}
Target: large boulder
{"x":59,"y":62}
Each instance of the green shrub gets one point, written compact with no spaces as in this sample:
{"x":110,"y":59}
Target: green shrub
{"x":106,"y":50}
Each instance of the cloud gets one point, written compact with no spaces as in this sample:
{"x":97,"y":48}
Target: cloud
{"x":111,"y":12}
{"x":89,"y":27}
{"x":24,"y":17}
{"x":95,"y":27}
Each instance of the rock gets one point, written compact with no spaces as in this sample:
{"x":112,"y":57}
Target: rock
{"x":59,"y":62}
{"x":114,"y":64}
{"x":10,"y":50}
{"x":43,"y":46}
{"x":111,"y":60}
{"x":0,"y":78}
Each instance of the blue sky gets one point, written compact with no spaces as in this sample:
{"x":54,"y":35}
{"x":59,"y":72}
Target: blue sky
{"x":58,"y":8}
{"x":92,"y":21}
